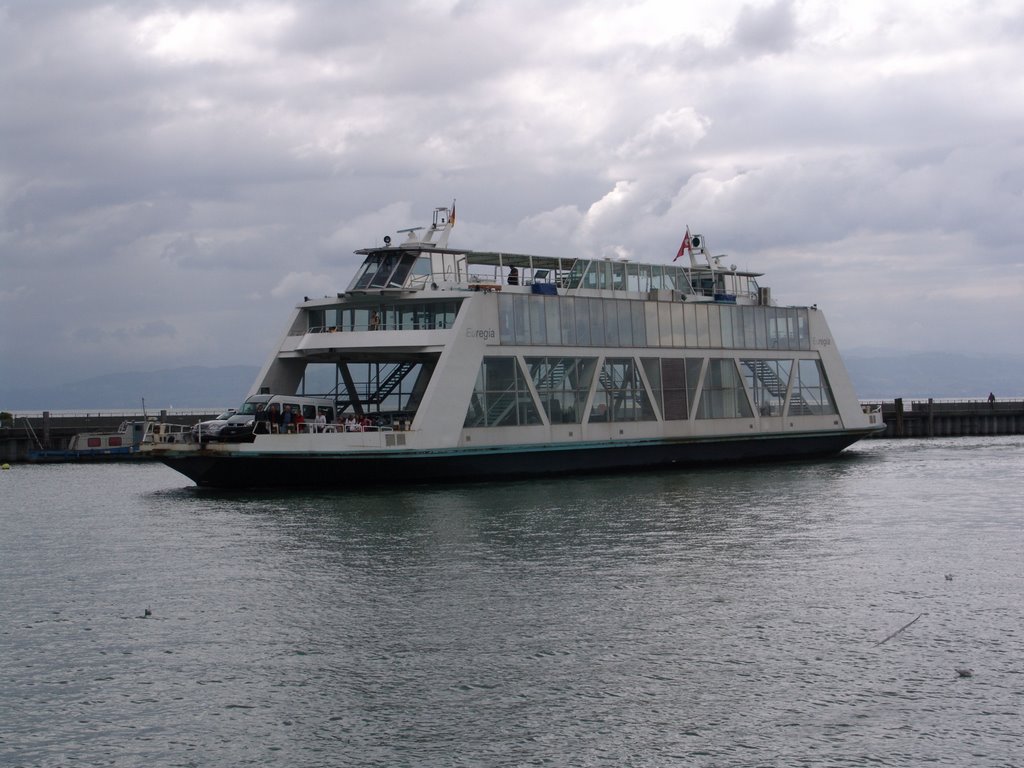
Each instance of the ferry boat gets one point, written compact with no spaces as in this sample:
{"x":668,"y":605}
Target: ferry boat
{"x":459,"y":365}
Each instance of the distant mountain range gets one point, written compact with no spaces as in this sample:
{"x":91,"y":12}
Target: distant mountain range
{"x":884,"y":375}
{"x":204,"y":389}
{"x":876,"y":374}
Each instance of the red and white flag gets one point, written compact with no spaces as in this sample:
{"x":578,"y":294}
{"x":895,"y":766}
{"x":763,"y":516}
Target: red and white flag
{"x":685,"y":244}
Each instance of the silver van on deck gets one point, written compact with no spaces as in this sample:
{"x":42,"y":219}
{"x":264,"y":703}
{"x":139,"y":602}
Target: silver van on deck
{"x":257,"y":416}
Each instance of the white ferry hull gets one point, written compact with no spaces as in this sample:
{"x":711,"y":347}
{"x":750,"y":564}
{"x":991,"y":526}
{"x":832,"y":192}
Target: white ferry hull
{"x":253,"y":469}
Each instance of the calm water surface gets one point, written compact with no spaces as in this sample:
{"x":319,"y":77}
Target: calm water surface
{"x":714,"y":618}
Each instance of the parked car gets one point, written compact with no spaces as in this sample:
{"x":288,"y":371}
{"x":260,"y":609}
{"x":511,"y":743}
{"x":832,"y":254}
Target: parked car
{"x":205,"y":431}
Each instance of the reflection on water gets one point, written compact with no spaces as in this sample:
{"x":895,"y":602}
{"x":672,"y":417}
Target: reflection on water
{"x":720,"y":617}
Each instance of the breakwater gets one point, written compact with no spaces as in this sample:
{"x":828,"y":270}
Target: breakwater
{"x":951,"y":418}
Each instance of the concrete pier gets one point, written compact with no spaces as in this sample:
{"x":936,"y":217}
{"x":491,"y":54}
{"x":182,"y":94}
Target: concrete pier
{"x":951,"y":418}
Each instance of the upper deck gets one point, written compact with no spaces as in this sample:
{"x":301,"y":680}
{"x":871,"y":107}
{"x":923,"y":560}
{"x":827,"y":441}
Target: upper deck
{"x":425,"y":262}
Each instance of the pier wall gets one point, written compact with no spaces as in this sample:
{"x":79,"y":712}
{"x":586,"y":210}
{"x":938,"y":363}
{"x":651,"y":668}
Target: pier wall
{"x":945,"y":418}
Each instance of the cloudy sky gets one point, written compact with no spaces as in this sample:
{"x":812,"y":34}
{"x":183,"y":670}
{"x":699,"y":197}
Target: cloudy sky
{"x":175,"y":175}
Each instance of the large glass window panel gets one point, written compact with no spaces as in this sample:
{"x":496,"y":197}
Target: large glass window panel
{"x":812,"y":395}
{"x":651,"y":318}
{"x":703,"y":335}
{"x":760,"y":318}
{"x":567,"y":311}
{"x":625,"y":320}
{"x":804,"y":329}
{"x":715,"y":325}
{"x":522,"y":318}
{"x":773,"y":330}
{"x":652,"y":369}
{"x":665,"y":323}
{"x":678,"y":325}
{"x":657,"y":276}
{"x":674,"y":406}
{"x":633,"y":277}
{"x":562,"y":383}
{"x":749,"y":329}
{"x":725,"y":316}
{"x":618,"y":276}
{"x":501,"y":397}
{"x":767,"y":381}
{"x":388,"y":263}
{"x":538,"y":320}
{"x":596,"y":322}
{"x":636,"y":310}
{"x":554,"y":324}
{"x":506,"y":319}
{"x":611,"y":323}
{"x":583,"y":322}
{"x":405,"y":265}
{"x":367,"y":271}
{"x":793,"y":333}
{"x":690,"y":324}
{"x":693,"y":369}
{"x":645,"y":278}
{"x":620,"y":395}
{"x":723,"y":395}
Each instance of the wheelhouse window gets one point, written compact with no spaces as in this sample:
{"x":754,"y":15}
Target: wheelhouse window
{"x":387,"y":270}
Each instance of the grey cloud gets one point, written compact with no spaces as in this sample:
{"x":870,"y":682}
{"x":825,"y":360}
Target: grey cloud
{"x":149,"y":185}
{"x":765,"y":29}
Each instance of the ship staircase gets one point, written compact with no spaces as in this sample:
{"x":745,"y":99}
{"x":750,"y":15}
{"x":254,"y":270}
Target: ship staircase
{"x":619,"y":382}
{"x":776,"y":387}
{"x":382,"y":384}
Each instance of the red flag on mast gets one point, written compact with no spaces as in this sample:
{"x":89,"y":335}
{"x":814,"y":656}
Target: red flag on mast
{"x":685,"y":244}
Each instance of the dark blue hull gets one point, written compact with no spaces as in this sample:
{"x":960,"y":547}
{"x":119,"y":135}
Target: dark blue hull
{"x":318,"y":470}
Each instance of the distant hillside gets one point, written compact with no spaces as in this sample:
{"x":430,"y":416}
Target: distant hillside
{"x":194,"y":386}
{"x":885,"y":375}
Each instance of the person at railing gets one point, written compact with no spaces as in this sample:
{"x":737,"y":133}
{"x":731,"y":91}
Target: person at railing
{"x":287,"y":419}
{"x":351,"y":425}
{"x":274,"y":418}
{"x":374,"y":321}
{"x":513,"y":276}
{"x":262,"y":426}
{"x":300,"y":421}
{"x":320,"y":422}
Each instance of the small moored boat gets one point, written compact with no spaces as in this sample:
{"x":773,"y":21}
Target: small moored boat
{"x":125,"y":443}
